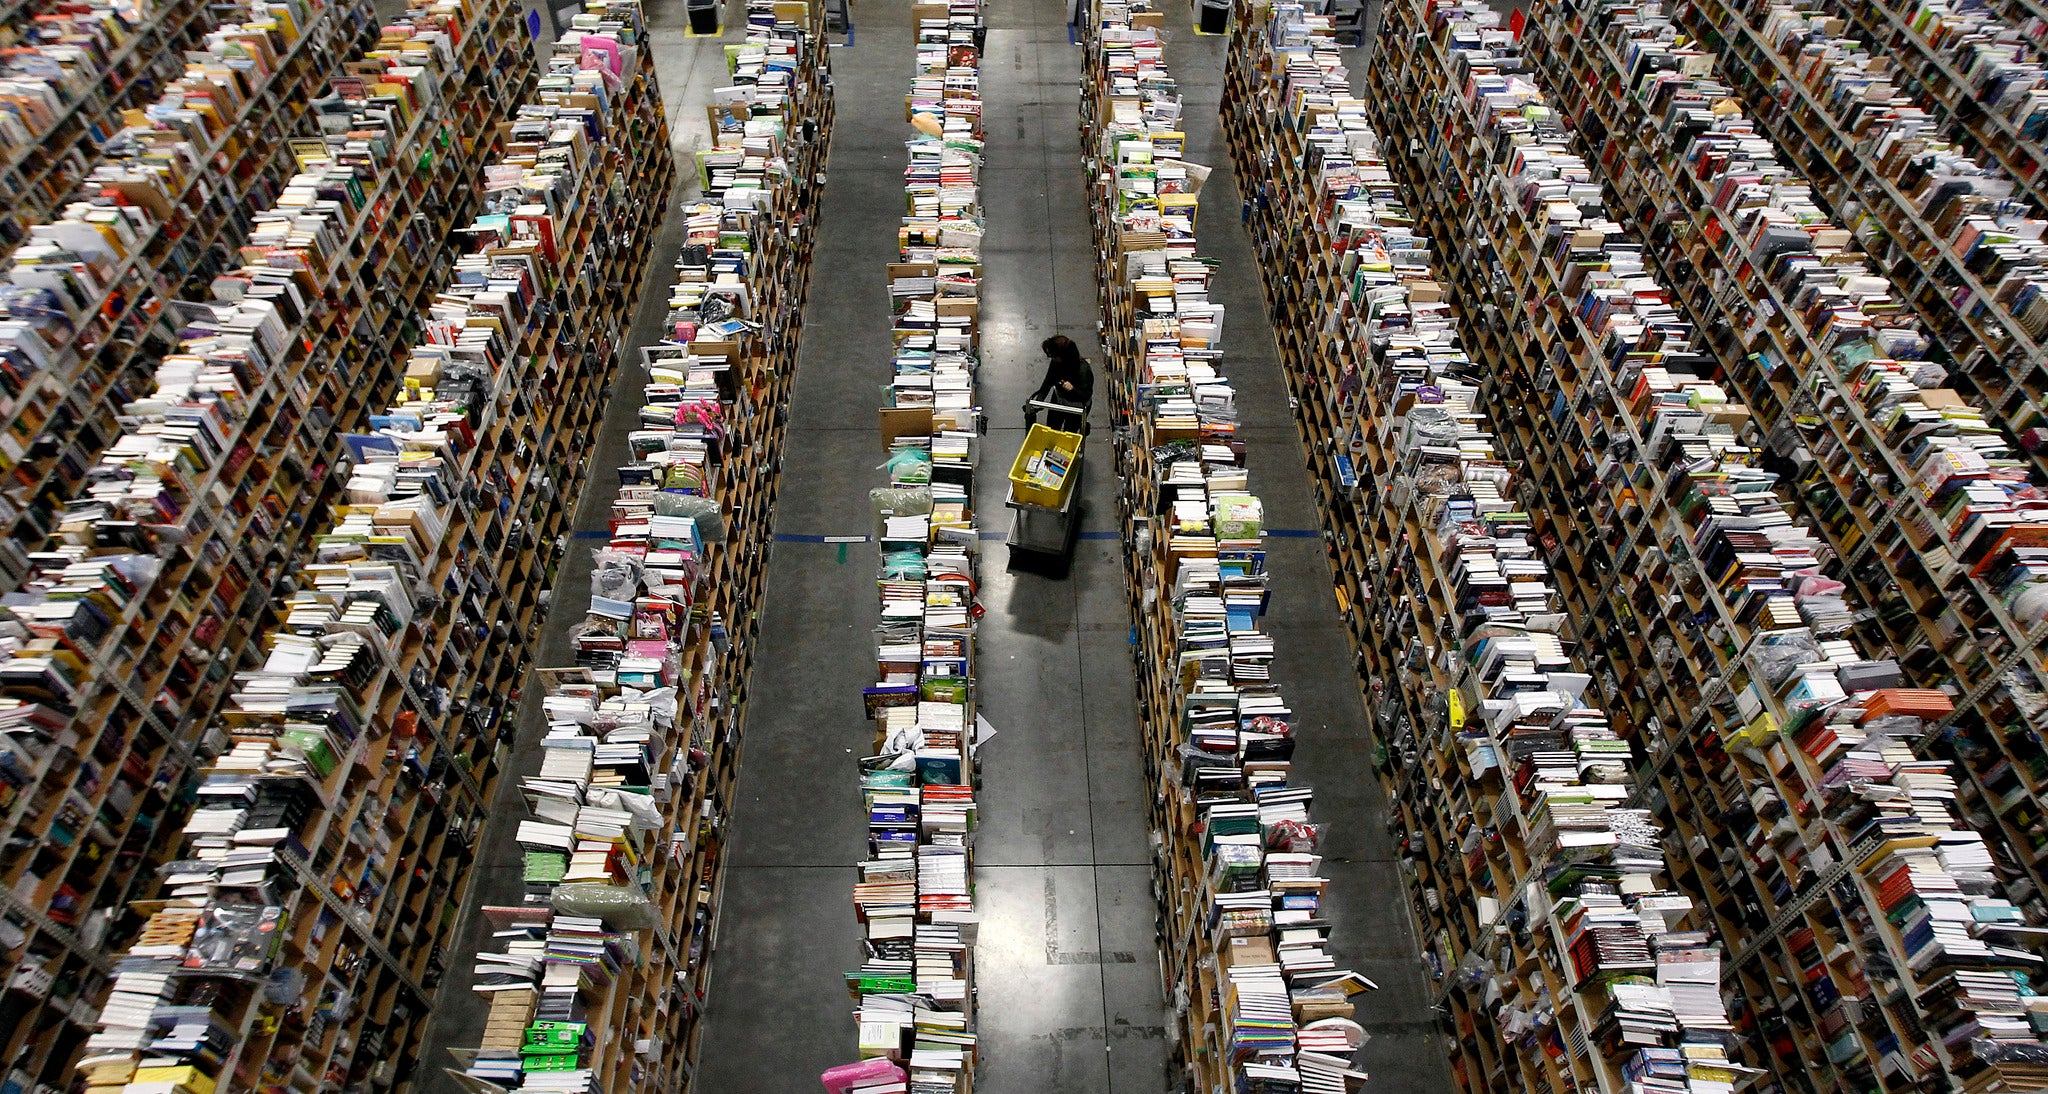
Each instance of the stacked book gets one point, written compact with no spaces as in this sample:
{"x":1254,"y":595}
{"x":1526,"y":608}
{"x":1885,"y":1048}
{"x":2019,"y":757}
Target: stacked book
{"x":612,"y":841}
{"x":82,"y":303}
{"x":914,"y":988}
{"x":1491,"y":653}
{"x":1990,"y":56}
{"x":339,"y":805}
{"x":1470,"y":602}
{"x":172,"y":484}
{"x":930,"y":420}
{"x":1264,"y":1004}
{"x":627,"y":802}
{"x":183,"y":438}
{"x":295,"y":730}
{"x":1956,"y":485}
{"x":1813,"y":699}
{"x":1961,"y":201}
{"x":759,"y":117}
{"x":550,"y":979}
{"x":1961,"y":478}
{"x":70,"y":74}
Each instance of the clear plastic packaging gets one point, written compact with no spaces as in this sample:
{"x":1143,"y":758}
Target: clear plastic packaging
{"x":2009,"y":1052}
{"x":646,"y":816}
{"x":621,"y":908}
{"x":1903,"y":727}
{"x":1294,"y":837}
{"x":1430,"y":424}
{"x":898,"y":501}
{"x":615,"y":575}
{"x":1782,"y":655}
{"x":910,"y":467}
{"x":286,"y":986}
{"x":902,"y":566}
{"x":705,"y":511}
{"x":240,"y":937}
{"x":662,"y":699}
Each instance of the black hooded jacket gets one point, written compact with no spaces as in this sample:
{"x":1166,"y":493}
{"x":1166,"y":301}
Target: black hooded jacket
{"x":1081,"y":398}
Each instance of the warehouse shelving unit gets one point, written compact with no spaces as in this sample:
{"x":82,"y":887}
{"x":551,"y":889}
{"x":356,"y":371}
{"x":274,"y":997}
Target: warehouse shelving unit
{"x":1982,"y":324}
{"x":915,"y":989}
{"x":644,"y":900}
{"x":72,"y":76}
{"x":224,"y":118}
{"x":332,"y":738}
{"x":357,"y":742}
{"x":133,"y":630}
{"x":1741,"y":677}
{"x":1258,"y":1002}
{"x":1496,"y":804}
{"x":1913,"y":545}
{"x":1964,"y":623}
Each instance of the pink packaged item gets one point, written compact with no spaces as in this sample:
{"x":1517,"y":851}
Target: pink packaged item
{"x":601,"y":52}
{"x":851,"y":1078}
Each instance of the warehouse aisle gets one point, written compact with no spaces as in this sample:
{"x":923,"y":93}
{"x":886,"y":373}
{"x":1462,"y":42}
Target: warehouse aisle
{"x":1372,"y":933}
{"x":1068,"y":963}
{"x":778,"y":1012}
{"x":1067,"y":973}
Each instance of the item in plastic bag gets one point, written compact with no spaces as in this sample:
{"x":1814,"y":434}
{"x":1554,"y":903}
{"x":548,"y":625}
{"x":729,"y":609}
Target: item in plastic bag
{"x":910,"y":467}
{"x":287,"y":985}
{"x":902,"y":566}
{"x":615,"y":575}
{"x":1780,"y":655}
{"x":1294,"y":837}
{"x":2010,"y":1052}
{"x":241,"y":937}
{"x":646,"y":817}
{"x":1237,"y":516}
{"x":898,"y":501}
{"x":704,"y":511}
{"x":621,"y":908}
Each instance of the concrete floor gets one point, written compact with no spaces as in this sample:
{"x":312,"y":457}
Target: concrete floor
{"x":1067,"y":970}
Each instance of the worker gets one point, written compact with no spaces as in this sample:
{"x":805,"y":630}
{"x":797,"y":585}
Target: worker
{"x":1068,"y":382}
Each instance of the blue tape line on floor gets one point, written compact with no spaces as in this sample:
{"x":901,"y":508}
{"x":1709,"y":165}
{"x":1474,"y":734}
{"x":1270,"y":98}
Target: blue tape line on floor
{"x":1293,"y":533}
{"x":1102,"y":535}
{"x":593,"y":533}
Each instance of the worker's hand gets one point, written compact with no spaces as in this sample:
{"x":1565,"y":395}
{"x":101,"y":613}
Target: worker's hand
{"x":1066,"y":385}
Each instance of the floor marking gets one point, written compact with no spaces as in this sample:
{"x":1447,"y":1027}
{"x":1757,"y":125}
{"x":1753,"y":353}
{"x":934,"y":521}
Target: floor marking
{"x":1056,"y":956}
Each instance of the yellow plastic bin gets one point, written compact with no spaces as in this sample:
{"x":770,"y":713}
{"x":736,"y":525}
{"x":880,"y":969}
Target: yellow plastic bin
{"x":1045,"y":469}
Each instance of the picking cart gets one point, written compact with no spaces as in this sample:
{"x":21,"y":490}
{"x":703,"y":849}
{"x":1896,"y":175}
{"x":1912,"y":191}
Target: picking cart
{"x":1044,"y":488}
